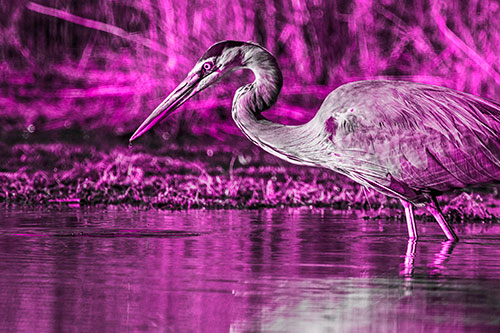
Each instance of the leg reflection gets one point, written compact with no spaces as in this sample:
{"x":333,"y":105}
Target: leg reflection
{"x":438,"y":263}
{"x":443,"y":256}
{"x":409,"y":262}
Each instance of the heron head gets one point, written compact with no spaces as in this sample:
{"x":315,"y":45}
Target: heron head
{"x":220,"y":59}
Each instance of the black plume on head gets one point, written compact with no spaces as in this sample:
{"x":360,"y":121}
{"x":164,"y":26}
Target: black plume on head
{"x":217,"y":49}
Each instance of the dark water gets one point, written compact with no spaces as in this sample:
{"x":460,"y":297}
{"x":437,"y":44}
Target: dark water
{"x":294,"y":270}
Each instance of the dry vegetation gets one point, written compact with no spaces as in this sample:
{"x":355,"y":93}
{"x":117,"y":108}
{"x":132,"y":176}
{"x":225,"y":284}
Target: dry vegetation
{"x":193,"y":176}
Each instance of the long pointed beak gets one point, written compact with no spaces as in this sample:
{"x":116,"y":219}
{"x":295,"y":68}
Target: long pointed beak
{"x":185,"y":90}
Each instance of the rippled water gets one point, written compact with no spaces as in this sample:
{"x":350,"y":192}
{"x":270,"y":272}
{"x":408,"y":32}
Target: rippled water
{"x":293,"y":270}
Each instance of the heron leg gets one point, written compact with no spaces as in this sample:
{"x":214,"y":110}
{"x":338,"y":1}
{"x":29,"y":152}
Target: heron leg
{"x":410,"y":219}
{"x":434,"y":209}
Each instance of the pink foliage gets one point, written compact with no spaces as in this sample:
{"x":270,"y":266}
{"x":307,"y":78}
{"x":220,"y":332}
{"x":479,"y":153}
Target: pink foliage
{"x":106,"y":64}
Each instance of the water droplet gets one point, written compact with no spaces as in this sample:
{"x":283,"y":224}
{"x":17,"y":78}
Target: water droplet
{"x":130,"y":145}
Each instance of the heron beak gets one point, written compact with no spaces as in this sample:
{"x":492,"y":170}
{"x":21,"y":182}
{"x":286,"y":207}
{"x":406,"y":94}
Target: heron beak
{"x":179,"y":96}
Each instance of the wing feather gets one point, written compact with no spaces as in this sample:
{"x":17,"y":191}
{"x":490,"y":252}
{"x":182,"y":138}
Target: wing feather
{"x":419,"y":137}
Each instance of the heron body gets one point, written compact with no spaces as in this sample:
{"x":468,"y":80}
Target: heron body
{"x":407,"y":140}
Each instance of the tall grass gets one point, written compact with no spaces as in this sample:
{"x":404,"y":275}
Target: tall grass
{"x":106,"y":64}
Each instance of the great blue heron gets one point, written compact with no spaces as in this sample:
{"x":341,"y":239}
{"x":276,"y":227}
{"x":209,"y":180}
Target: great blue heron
{"x":407,"y":140}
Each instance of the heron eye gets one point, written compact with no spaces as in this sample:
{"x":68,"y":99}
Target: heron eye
{"x":207,"y":66}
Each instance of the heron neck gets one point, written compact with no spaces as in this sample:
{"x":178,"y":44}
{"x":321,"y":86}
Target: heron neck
{"x":261,"y":94}
{"x":291,"y":143}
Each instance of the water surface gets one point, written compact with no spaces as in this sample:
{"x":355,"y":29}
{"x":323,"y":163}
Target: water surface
{"x":292,"y":270}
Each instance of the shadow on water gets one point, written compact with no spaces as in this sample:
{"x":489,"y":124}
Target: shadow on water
{"x":277,"y":269}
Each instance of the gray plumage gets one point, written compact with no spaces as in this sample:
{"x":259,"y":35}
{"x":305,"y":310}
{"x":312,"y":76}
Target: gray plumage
{"x":407,"y":140}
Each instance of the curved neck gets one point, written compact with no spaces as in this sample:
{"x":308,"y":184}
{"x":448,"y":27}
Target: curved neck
{"x":291,"y":143}
{"x":261,"y":94}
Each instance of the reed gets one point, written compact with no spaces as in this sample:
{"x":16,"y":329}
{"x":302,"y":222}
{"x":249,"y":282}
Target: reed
{"x":103,"y":64}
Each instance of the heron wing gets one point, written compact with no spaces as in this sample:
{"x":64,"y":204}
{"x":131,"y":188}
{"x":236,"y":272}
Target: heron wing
{"x":407,"y":138}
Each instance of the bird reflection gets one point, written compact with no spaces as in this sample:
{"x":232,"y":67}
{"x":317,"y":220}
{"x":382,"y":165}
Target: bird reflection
{"x":438,"y":263}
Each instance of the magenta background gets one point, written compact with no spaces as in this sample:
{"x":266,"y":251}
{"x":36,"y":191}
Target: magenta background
{"x":107,"y":64}
{"x":99,"y":67}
